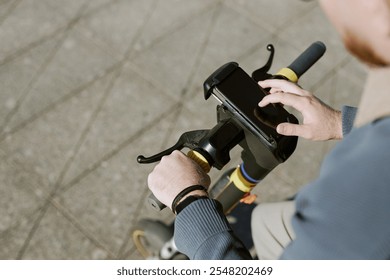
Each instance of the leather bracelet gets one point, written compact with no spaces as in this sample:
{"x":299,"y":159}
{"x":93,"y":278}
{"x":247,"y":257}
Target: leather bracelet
{"x":184,"y":193}
{"x":187,"y":201}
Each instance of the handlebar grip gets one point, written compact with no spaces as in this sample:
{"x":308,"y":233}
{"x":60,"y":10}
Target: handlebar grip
{"x":195,"y":156}
{"x":155,"y":203}
{"x":306,"y":60}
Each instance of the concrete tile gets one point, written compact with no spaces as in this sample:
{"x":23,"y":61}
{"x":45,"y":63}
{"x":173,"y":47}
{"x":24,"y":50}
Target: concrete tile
{"x":13,"y":239}
{"x":58,"y":239}
{"x":111,"y":198}
{"x":16,"y":77}
{"x":342,"y":89}
{"x":133,"y":104}
{"x":45,"y":145}
{"x":76,"y":63}
{"x":271,"y":15}
{"x":96,"y":4}
{"x":29,"y":22}
{"x":116,"y":33}
{"x":179,"y":52}
{"x":70,"y":9}
{"x":18,"y":198}
{"x":170,"y":15}
{"x":4,"y":3}
{"x":355,"y":71}
{"x":6,"y":7}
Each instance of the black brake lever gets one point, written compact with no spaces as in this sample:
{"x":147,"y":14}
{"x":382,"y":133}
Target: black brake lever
{"x":189,"y":139}
{"x":261,"y":74}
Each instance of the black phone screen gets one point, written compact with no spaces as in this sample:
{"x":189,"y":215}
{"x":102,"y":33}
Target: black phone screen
{"x":242,"y":94}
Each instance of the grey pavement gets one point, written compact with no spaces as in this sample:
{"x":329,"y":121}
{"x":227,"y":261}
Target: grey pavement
{"x":87,"y":85}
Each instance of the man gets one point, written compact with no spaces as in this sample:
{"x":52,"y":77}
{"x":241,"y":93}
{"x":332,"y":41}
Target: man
{"x":343,"y":214}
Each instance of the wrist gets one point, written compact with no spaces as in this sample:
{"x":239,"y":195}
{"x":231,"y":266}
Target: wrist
{"x":191,"y":191}
{"x":339,"y":125}
{"x":198,"y":193}
{"x":187,"y":201}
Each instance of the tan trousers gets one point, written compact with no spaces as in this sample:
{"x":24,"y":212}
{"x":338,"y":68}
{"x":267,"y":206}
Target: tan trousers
{"x":271,"y":228}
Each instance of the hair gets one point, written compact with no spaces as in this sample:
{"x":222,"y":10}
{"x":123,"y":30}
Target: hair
{"x":363,"y":50}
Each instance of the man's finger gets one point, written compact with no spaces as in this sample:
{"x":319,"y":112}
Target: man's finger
{"x":290,"y":129}
{"x":284,"y":98}
{"x":281,"y":85}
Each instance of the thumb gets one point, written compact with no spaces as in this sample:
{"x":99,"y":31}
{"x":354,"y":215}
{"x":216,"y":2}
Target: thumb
{"x":290,"y":129}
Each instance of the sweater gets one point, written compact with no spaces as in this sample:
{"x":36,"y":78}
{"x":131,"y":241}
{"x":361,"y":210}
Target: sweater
{"x":343,"y":214}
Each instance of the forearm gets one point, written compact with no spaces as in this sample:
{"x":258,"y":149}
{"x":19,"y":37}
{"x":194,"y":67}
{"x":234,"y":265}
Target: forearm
{"x":202,"y":232}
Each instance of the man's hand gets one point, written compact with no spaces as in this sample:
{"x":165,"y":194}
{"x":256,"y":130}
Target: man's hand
{"x":173,"y":174}
{"x":320,"y":122}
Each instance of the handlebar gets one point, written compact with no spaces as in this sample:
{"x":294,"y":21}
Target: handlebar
{"x":310,"y":56}
{"x":240,"y":184}
{"x":303,"y":62}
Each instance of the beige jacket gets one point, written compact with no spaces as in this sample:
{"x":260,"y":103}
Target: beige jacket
{"x":375,"y":101}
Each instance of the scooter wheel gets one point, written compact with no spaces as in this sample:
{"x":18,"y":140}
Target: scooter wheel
{"x":149,"y":236}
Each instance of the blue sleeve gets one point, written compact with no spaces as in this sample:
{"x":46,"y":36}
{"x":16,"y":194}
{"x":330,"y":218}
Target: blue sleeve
{"x":203,"y":233}
{"x":348,"y":114}
{"x":344,"y":214}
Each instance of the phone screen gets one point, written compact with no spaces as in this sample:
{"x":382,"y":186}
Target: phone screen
{"x":242,"y":94}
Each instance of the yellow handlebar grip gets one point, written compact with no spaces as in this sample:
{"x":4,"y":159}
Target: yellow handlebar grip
{"x":199,"y":159}
{"x":289,"y":74}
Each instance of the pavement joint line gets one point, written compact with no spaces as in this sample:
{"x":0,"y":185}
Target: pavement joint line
{"x":291,"y":21}
{"x":269,"y":28}
{"x":45,"y":110}
{"x":59,"y":102}
{"x":20,"y":51}
{"x":68,"y":163}
{"x":73,"y":220}
{"x":135,"y":218}
{"x":120,"y":147}
{"x":176,"y":111}
{"x":44,"y":208}
{"x":250,"y":17}
{"x":12,"y":7}
{"x":113,"y":153}
{"x":203,"y":46}
{"x":329,"y":74}
{"x":117,"y":72}
{"x":73,"y":92}
{"x":178,"y":26}
{"x":27,"y":90}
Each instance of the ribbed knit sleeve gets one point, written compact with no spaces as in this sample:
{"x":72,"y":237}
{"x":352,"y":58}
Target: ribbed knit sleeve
{"x":202,"y":232}
{"x":348,"y":114}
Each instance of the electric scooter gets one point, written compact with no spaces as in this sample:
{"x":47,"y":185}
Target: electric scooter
{"x":240,"y":121}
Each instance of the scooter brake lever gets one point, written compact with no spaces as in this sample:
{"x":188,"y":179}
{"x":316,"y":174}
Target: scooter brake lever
{"x":189,"y":139}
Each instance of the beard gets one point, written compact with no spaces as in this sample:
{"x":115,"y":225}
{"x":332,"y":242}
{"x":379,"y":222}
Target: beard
{"x":363,"y":51}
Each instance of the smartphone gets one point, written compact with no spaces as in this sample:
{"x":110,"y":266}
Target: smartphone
{"x":238,"y":92}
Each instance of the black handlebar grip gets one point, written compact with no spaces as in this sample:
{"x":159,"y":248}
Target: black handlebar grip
{"x":155,"y":203}
{"x":310,"y":56}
